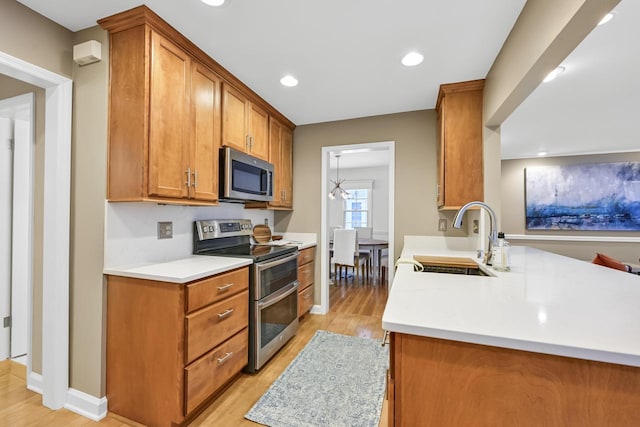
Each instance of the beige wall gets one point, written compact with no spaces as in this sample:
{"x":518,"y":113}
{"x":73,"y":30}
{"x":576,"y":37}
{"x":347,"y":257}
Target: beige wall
{"x":544,"y":34}
{"x":88,"y":194}
{"x":513,"y":207}
{"x":414,"y":134}
{"x":49,"y":46}
{"x":34,"y":38}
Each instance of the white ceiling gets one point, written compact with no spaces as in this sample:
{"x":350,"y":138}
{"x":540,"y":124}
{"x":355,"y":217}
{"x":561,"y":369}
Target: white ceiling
{"x":594,"y":106}
{"x":358,"y":159}
{"x":346,"y":54}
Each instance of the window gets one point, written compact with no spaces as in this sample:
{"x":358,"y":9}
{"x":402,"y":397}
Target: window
{"x":356,"y":212}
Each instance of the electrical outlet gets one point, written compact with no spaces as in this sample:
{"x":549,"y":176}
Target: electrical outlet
{"x":475,"y":226}
{"x":165,"y":230}
{"x":442,"y":224}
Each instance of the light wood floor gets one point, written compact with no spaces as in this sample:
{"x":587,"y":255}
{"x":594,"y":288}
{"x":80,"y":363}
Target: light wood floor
{"x":355,"y":310}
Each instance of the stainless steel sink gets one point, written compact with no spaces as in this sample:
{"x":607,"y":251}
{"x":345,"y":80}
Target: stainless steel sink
{"x":454,"y":270}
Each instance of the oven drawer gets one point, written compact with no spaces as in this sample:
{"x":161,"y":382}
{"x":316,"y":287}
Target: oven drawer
{"x":212,"y":325}
{"x":306,"y":255}
{"x":205,"y":292}
{"x":207,"y":374}
{"x":305,"y":300}
{"x":305,"y":275}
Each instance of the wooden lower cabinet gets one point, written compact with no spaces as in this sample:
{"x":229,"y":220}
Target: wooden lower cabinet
{"x":436,"y":382}
{"x":171,"y":347}
{"x":306,"y":274}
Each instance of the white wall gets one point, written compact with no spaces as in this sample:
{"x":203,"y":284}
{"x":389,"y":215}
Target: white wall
{"x":380,"y":197}
{"x":131,"y":230}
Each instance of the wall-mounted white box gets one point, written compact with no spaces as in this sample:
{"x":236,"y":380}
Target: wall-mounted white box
{"x":87,"y":52}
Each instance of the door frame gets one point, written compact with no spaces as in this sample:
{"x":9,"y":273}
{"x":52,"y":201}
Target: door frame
{"x":388,"y":146}
{"x":23,"y":107}
{"x":55,"y":238}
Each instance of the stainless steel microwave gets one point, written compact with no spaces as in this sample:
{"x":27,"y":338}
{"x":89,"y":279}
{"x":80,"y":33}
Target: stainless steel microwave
{"x":244,"y":177}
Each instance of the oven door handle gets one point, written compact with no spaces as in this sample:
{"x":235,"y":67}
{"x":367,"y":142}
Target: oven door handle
{"x":278,"y":296}
{"x":264,"y":265}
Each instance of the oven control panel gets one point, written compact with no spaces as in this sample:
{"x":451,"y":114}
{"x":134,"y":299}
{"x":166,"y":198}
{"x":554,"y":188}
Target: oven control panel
{"x":216,"y":228}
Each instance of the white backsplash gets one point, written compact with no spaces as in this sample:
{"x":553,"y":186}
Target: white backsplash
{"x":131,"y":230}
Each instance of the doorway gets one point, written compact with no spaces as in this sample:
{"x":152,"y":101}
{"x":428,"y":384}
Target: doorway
{"x":386,"y":149}
{"x":16,"y":226}
{"x":54,"y":381}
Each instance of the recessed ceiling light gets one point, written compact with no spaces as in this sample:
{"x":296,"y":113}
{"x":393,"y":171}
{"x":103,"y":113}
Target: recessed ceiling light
{"x":213,"y":2}
{"x":606,"y":18}
{"x":412,"y":58}
{"x":555,"y":73}
{"x":289,"y":81}
{"x":542,"y":153}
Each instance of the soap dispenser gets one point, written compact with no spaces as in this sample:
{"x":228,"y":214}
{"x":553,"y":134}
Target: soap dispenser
{"x":500,"y":256}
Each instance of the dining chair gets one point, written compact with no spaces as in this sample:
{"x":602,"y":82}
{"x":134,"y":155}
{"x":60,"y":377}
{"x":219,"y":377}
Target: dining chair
{"x":346,"y":254}
{"x":365,"y":233}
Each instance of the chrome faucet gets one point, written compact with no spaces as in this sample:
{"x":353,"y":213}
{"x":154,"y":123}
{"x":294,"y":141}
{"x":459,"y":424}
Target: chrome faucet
{"x":493,"y":232}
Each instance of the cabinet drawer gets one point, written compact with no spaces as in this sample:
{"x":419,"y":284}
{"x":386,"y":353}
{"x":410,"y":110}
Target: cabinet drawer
{"x":305,"y":275}
{"x":207,"y":291}
{"x":305,"y":300}
{"x":306,"y":255}
{"x":214,"y":324}
{"x":207,"y":374}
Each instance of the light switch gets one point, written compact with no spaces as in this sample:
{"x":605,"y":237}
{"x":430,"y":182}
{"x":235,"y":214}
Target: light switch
{"x":442,"y":224}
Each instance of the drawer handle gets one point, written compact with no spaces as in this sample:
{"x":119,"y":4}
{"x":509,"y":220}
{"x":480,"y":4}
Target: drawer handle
{"x":307,"y":296}
{"x":225,"y":287}
{"x":224,"y":358}
{"x":225,"y":313}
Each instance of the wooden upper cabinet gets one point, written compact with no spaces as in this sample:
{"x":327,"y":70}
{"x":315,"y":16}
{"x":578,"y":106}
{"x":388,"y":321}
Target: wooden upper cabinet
{"x":171,"y":107}
{"x":245,"y":125}
{"x":205,"y":134}
{"x":275,"y":147}
{"x":168,"y":119}
{"x":286,"y":162}
{"x":460,"y":153}
{"x":280,"y":154}
{"x":258,"y":132}
{"x":235,"y":107}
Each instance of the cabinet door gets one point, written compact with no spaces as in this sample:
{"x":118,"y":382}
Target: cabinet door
{"x":234,"y":119}
{"x":286,"y":165}
{"x":440,"y":154}
{"x":205,"y":116}
{"x":168,"y":119}
{"x":275,"y":148}
{"x":258,"y":132}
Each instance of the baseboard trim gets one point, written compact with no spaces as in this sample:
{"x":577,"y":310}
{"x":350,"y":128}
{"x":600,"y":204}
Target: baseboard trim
{"x":77,"y":401}
{"x":317,"y":309}
{"x":34,"y":382}
{"x":86,"y":405}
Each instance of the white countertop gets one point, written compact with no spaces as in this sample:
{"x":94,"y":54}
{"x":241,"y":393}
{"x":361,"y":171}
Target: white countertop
{"x":302,"y":240}
{"x":547,"y":303}
{"x":183,"y":270}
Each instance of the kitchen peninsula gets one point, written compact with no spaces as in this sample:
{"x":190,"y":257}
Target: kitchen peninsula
{"x":552,"y":342}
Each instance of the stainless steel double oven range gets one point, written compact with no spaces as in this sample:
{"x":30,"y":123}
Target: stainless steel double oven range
{"x":273,"y":283}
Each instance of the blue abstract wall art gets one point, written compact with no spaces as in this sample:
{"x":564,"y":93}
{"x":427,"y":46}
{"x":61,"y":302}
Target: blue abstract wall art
{"x":597,"y":196}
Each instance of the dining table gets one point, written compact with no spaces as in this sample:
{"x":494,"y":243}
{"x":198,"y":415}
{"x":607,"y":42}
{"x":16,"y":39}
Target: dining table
{"x":376,"y":246}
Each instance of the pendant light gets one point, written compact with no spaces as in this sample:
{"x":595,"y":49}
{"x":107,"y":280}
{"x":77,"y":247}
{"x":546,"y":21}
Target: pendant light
{"x":337,"y":189}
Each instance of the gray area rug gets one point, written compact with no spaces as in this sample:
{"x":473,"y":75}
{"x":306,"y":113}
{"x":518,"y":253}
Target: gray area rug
{"x":336,"y":381}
